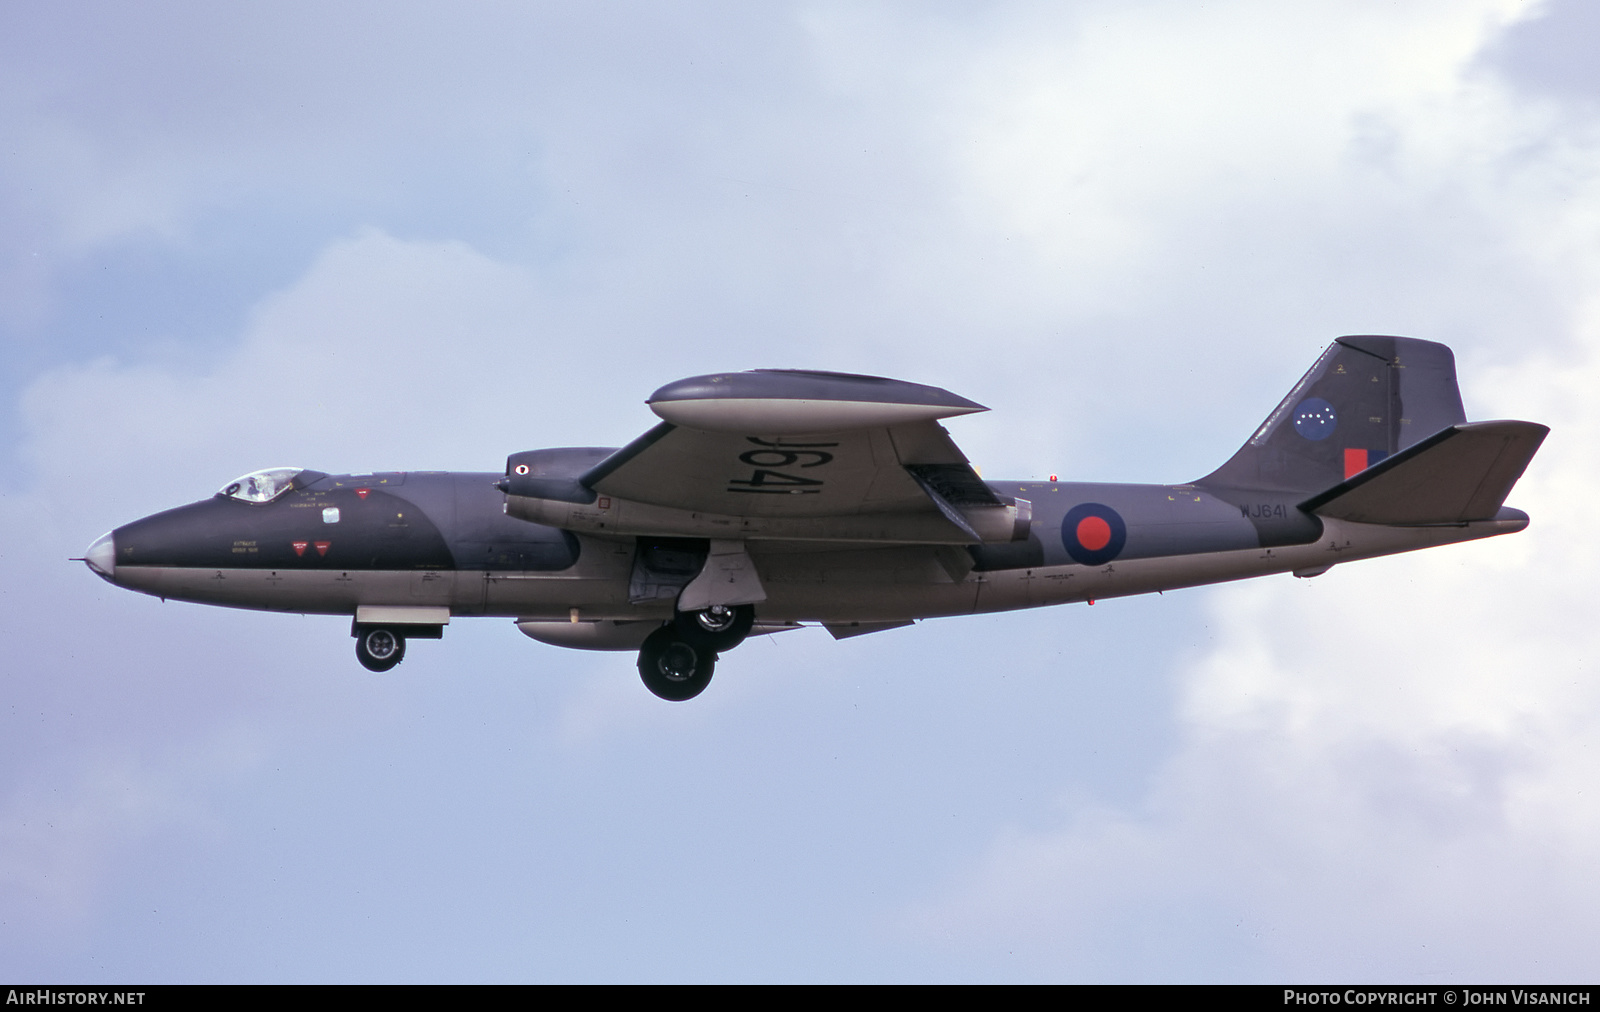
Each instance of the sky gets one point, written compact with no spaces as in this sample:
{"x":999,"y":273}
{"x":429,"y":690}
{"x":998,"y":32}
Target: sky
{"x":360,"y":236}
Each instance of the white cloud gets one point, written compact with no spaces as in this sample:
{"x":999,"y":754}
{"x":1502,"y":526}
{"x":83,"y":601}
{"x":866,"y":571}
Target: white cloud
{"x":1389,"y":773}
{"x":1386,"y":772}
{"x":387,"y":354}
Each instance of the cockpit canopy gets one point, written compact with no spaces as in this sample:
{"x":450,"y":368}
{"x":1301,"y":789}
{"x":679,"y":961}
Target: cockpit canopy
{"x":267,"y":485}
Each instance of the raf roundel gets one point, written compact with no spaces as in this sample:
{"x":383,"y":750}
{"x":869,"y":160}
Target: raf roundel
{"x":1315,"y":419}
{"x":1093,"y":533}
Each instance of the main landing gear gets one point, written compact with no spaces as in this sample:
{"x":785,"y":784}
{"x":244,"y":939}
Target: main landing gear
{"x":676,"y":661}
{"x":674,"y":668}
{"x":720,"y":627}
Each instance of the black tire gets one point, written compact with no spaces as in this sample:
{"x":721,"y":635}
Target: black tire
{"x":379,"y":648}
{"x":719,"y":628}
{"x":674,"y":668}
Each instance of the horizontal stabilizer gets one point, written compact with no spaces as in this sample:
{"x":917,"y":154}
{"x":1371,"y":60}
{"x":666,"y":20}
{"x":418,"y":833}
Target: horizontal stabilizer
{"x":1459,"y":474}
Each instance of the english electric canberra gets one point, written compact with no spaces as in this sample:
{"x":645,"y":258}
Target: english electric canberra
{"x":772,"y":498}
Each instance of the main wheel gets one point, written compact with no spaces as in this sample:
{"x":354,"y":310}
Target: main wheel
{"x":380,"y":649}
{"x":675,"y":668}
{"x":718,"y":628}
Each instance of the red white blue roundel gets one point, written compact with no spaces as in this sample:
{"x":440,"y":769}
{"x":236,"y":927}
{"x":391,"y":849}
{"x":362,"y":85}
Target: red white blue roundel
{"x":1093,"y":533}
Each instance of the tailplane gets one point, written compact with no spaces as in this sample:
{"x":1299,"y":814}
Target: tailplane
{"x":1455,"y":476}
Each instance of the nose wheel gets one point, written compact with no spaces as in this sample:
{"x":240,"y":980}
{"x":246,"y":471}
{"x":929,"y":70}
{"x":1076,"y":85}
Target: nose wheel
{"x":379,"y":649}
{"x":673,"y":667}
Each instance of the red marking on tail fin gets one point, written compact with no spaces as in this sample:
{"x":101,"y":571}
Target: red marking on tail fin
{"x":1355,"y":461}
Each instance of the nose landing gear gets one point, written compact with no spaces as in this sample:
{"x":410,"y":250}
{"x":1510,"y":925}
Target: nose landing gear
{"x":379,"y":648}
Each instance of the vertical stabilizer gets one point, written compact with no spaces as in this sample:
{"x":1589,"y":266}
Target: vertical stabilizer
{"x":1366,"y":399}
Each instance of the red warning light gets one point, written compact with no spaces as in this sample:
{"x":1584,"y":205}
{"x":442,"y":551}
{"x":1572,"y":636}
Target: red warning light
{"x":362,"y":492}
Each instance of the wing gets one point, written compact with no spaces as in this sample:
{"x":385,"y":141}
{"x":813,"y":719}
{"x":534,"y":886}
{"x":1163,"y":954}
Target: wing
{"x":788,"y":454}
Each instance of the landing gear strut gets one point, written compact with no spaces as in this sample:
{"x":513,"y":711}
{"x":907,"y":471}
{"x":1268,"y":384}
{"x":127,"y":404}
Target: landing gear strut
{"x":674,"y":667}
{"x":379,"y":648}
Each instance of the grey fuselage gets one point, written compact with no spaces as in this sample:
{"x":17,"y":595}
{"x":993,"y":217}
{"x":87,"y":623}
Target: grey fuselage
{"x":443,"y":540}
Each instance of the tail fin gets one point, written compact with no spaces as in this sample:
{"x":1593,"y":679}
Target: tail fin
{"x":1366,"y":399}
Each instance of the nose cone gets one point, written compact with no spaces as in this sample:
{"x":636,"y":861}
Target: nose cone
{"x":102,"y":556}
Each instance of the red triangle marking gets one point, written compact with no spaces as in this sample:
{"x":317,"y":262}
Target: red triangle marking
{"x":362,"y":492}
{"x":299,"y":547}
{"x":323,"y":546}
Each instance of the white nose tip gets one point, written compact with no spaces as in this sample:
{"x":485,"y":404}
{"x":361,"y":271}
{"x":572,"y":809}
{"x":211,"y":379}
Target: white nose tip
{"x":102,"y":556}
